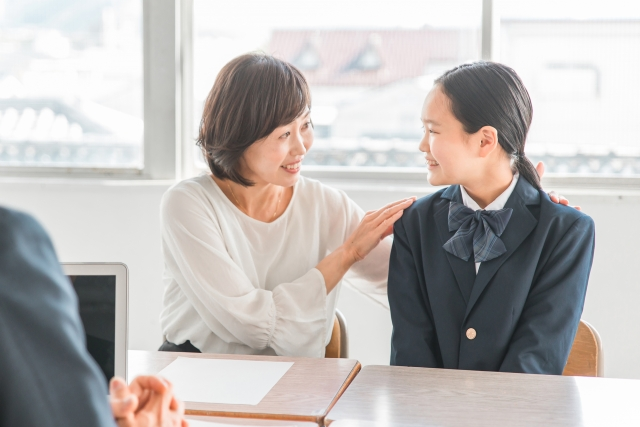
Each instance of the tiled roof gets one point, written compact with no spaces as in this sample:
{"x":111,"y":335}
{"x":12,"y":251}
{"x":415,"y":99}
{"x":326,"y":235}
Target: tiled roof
{"x":43,"y":120}
{"x":404,"y":153}
{"x":367,"y":58}
{"x":51,"y":132}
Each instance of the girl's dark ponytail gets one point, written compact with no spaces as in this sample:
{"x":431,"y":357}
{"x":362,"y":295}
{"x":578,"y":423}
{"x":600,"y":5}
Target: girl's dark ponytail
{"x":491,"y":94}
{"x":526,"y":170}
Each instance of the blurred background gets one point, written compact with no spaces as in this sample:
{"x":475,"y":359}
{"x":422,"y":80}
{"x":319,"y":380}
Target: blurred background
{"x":71,"y":84}
{"x":100,"y":102}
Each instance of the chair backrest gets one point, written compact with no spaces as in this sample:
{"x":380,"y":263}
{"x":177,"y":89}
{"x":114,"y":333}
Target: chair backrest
{"x":338,"y":347}
{"x":586,"y":358}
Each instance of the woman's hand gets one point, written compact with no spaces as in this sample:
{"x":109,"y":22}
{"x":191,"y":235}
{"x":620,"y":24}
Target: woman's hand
{"x":375,"y":226}
{"x":555,"y":197}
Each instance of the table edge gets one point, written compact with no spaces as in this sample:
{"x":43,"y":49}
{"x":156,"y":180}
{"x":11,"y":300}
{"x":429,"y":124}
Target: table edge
{"x":318,"y":419}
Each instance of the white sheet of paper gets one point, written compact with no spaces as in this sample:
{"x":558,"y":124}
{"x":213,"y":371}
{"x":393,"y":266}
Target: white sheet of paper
{"x":240,"y":382}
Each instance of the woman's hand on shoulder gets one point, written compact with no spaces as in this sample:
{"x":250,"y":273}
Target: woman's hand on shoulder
{"x":375,"y":226}
{"x":555,"y":197}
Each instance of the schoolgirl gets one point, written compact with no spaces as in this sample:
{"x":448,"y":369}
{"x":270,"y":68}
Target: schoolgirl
{"x":488,"y":273}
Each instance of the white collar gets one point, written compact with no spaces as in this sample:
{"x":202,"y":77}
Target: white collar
{"x":497,"y":204}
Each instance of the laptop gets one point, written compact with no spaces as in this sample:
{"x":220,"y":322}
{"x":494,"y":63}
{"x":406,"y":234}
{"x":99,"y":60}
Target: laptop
{"x":102,"y":290}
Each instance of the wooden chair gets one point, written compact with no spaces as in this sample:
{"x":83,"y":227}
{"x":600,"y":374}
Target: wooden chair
{"x":585,"y":358}
{"x":338,"y":347}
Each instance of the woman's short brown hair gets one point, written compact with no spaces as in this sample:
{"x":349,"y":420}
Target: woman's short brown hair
{"x":252,"y":96}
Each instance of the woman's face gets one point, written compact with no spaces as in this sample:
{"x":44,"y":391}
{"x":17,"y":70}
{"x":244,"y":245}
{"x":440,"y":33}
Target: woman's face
{"x":277,"y":158}
{"x":449,"y":150}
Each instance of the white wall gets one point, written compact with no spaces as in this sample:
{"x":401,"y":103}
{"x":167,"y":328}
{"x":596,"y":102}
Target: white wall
{"x":105,"y":223}
{"x":118,"y":221}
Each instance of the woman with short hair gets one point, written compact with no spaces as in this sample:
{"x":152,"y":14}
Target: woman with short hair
{"x":254,"y":253}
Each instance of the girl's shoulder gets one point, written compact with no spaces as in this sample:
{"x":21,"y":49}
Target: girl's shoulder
{"x":561,"y":216}
{"x":429,"y":204}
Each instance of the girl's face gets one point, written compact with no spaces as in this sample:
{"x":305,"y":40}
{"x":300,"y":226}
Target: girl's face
{"x":277,"y":158}
{"x":450,"y":152}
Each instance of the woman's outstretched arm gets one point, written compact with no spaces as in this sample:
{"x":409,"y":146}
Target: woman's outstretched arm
{"x":291,"y":318}
{"x":374,"y":227}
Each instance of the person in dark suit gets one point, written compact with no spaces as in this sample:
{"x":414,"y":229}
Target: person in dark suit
{"x":47,"y":377}
{"x":487,"y":274}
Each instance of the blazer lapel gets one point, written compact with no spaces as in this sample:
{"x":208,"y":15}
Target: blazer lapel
{"x":464,"y":271}
{"x":520,"y":225}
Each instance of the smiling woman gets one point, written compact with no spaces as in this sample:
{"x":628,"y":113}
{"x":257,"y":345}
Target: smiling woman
{"x":254,"y":253}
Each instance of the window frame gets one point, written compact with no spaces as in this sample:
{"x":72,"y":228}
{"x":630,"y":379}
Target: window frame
{"x":165,"y":33}
{"x":169,"y":148}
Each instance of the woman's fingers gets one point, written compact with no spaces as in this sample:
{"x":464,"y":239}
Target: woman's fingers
{"x":392,"y":205}
{"x":387,"y":226}
{"x":373,"y":228}
{"x":391,"y":209}
{"x":555,"y":198}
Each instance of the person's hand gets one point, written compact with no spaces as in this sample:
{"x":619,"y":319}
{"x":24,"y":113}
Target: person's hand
{"x":123,"y":402}
{"x":555,"y":197}
{"x":375,"y":226}
{"x":147,"y":402}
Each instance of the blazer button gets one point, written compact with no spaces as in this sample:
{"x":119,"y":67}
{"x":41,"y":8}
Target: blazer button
{"x":471,"y":333}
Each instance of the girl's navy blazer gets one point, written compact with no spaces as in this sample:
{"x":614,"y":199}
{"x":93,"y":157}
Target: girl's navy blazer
{"x":520,"y":312}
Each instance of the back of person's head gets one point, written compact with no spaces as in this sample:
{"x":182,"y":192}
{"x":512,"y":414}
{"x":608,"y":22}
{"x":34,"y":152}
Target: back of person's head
{"x":252,"y":96}
{"x":492,"y":94}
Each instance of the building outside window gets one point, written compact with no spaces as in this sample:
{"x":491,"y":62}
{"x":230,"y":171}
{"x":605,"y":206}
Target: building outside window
{"x":369,"y":65}
{"x":580,"y":62}
{"x":71,"y":83}
{"x":71,"y":76}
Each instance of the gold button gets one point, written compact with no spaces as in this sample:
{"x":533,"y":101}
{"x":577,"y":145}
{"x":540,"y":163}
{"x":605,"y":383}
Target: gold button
{"x":471,"y":333}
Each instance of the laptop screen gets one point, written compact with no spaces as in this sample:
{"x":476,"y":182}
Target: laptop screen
{"x":97,"y":303}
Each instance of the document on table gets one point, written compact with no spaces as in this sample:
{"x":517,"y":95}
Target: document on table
{"x":240,"y":382}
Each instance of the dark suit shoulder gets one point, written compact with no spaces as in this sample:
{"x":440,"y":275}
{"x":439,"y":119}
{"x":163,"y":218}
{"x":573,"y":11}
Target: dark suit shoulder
{"x":44,"y":359}
{"x":560,"y":215}
{"x":425,"y":205}
{"x":15,"y":225}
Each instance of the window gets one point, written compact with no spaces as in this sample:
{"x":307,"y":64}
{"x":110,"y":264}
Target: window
{"x":580,"y":61}
{"x":71,"y":83}
{"x":369,"y":65}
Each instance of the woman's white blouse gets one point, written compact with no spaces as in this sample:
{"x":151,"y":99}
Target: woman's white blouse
{"x":238,"y":285}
